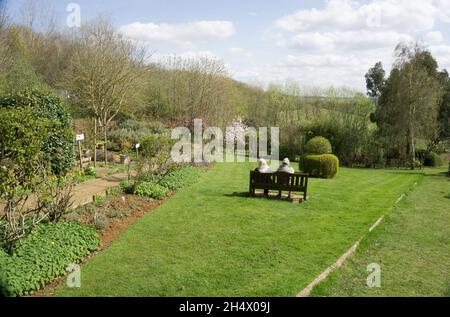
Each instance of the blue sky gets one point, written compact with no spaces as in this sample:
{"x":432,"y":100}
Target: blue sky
{"x":317,"y":43}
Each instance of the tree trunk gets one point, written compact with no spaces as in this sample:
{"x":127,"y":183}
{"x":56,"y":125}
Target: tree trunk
{"x":411,"y":123}
{"x":413,"y":151}
{"x":95,"y":142}
{"x":105,"y":140}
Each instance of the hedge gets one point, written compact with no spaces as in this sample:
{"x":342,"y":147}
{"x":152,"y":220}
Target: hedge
{"x":322,"y":166}
{"x":44,"y":255}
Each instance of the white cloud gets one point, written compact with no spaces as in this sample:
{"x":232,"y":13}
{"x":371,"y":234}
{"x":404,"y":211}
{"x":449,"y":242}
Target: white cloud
{"x":240,"y":51}
{"x":442,"y":55}
{"x":328,"y":60}
{"x":347,"y":40}
{"x":434,"y":37}
{"x":399,"y":15}
{"x":336,"y":44}
{"x":444,"y":9}
{"x":185,"y":34}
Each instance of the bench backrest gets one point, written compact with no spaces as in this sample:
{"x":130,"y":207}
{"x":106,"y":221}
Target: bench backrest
{"x":278,"y":180}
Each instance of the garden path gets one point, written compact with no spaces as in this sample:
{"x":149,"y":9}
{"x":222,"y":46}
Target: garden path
{"x":85,"y":192}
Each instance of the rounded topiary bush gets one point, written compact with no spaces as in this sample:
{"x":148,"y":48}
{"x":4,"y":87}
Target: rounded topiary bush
{"x":318,"y":145}
{"x":322,"y":166}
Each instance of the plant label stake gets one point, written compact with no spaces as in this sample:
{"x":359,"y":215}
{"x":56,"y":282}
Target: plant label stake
{"x":79,"y":138}
{"x":137,"y":151}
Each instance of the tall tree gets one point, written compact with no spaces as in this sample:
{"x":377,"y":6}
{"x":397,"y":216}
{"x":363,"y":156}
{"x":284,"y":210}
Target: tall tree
{"x":375,"y":80}
{"x":104,"y":73}
{"x":440,"y":131}
{"x":409,"y":104}
{"x":444,"y":109}
{"x":4,"y":24}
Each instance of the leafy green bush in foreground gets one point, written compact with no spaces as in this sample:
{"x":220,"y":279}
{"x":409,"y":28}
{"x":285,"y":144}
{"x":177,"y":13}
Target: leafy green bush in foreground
{"x":323,"y":166}
{"x":151,"y":190}
{"x":43,"y":255}
{"x":181,"y":177}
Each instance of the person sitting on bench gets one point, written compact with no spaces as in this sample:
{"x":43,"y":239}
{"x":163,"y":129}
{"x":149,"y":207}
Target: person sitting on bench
{"x":263,"y":167}
{"x":284,"y":167}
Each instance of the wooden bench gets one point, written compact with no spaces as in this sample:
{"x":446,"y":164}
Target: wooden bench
{"x":280,"y":181}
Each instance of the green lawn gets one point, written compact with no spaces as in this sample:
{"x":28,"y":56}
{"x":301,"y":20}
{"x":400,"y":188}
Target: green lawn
{"x":412,"y":247}
{"x":211,"y":240}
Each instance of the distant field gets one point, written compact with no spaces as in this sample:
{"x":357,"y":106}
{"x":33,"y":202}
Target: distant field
{"x":211,"y":240}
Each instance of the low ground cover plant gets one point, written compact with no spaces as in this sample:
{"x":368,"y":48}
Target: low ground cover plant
{"x":181,"y":177}
{"x":43,"y":255}
{"x":151,"y":190}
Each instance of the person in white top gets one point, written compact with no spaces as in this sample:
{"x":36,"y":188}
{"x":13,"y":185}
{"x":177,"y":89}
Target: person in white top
{"x":263,"y":167}
{"x":284,"y":167}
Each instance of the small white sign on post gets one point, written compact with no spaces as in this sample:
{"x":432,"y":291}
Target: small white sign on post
{"x":138,"y":146}
{"x":79,"y":138}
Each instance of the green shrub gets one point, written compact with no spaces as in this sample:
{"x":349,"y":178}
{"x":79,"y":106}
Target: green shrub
{"x":90,"y":171}
{"x":323,"y":166}
{"x":59,"y":142}
{"x":115,"y":191}
{"x":181,"y":177}
{"x":318,"y":145}
{"x":131,"y":132}
{"x":151,"y":190}
{"x":43,"y":255}
{"x":433,"y":160}
{"x":127,"y":187}
{"x":150,"y":176}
